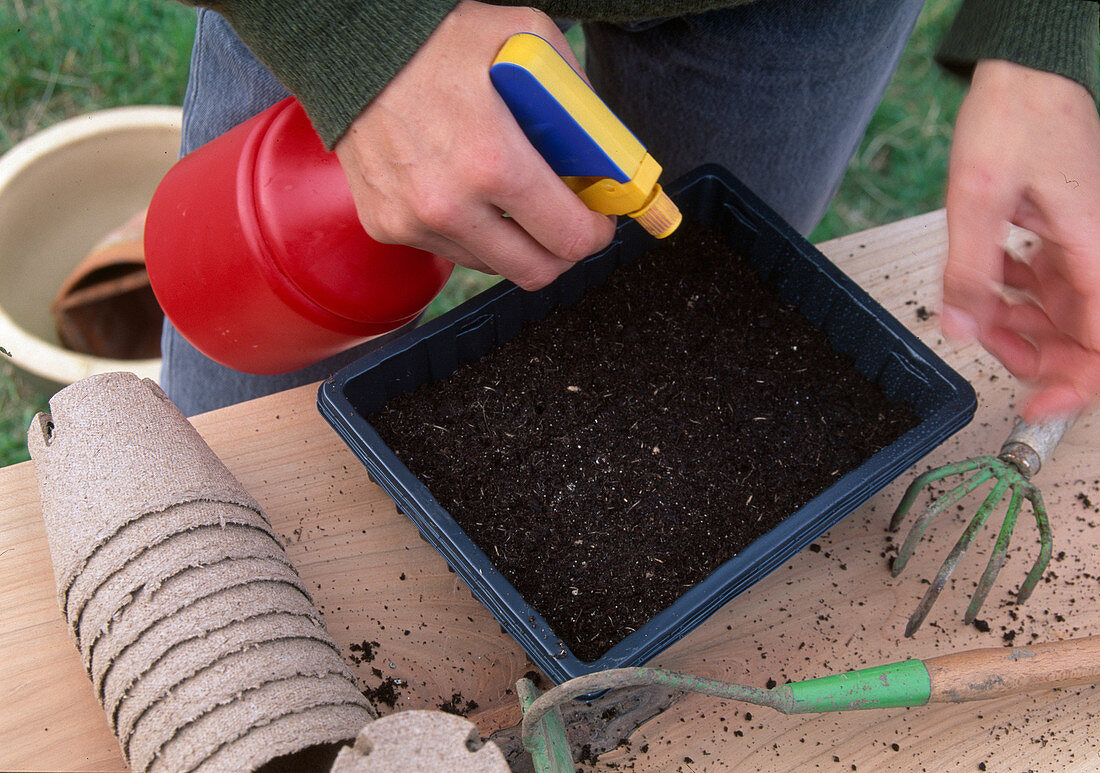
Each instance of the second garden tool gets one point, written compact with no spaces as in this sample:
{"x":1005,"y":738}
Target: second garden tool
{"x":956,"y":678}
{"x":1021,"y":456}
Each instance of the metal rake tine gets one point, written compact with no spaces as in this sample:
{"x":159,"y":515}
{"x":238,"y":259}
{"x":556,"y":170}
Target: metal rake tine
{"x":934,"y":509}
{"x":954,"y":557}
{"x":997,"y":558}
{"x":931,"y":476}
{"x":1046,"y":546}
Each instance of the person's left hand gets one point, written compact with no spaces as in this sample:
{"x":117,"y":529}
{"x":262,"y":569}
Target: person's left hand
{"x":1027,"y":151}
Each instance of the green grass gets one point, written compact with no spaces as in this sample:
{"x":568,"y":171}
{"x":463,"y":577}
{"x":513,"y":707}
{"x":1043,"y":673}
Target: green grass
{"x":61,"y":58}
{"x":18,"y":405}
{"x":65,"y":57}
{"x":900,"y":168}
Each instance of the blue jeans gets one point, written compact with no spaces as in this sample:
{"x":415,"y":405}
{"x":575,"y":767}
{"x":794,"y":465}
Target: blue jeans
{"x":778,"y":91}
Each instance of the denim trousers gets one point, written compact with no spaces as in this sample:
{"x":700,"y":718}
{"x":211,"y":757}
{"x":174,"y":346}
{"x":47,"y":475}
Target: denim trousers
{"x":777,"y":91}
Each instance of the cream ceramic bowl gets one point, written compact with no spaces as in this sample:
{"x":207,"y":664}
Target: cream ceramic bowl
{"x":61,"y":191}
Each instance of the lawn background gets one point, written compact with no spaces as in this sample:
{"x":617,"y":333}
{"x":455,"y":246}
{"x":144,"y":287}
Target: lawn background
{"x":62,"y":58}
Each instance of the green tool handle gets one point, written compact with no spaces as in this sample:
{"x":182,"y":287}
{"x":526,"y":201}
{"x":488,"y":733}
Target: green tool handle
{"x":880,"y":687}
{"x":963,"y":676}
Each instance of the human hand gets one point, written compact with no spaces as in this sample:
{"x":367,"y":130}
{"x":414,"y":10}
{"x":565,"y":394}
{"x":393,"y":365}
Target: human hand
{"x":436,"y":159}
{"x":1026,"y":150}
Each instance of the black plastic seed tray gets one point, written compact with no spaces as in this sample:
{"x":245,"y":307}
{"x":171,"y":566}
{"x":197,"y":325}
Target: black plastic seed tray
{"x":882,"y":349}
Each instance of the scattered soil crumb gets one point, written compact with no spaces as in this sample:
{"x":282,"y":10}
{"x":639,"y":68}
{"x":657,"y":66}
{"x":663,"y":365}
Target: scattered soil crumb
{"x":385,"y":693}
{"x":363,"y":652}
{"x":458,"y":705}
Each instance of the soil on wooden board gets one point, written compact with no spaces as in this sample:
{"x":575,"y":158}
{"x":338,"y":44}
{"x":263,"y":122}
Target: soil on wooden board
{"x":617,"y":452}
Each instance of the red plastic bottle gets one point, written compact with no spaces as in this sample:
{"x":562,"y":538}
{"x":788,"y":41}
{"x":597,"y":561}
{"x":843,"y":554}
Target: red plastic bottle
{"x":256,"y":254}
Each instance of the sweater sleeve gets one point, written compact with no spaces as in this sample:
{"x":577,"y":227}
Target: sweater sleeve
{"x":1058,"y":36}
{"x":334,"y":55}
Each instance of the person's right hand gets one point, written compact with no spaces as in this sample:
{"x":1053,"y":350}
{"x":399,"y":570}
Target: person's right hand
{"x":436,"y":159}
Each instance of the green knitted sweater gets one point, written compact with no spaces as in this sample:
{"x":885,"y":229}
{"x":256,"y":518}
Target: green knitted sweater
{"x":336,"y":55}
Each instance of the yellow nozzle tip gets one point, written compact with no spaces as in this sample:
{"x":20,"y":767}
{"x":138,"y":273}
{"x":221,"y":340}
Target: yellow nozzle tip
{"x":659,"y":217}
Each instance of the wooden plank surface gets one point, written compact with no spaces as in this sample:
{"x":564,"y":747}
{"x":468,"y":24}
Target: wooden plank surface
{"x":830,"y":608}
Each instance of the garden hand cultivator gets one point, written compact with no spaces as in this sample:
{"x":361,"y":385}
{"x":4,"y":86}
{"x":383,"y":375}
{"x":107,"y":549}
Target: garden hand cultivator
{"x":972,"y":675}
{"x":1021,"y":456}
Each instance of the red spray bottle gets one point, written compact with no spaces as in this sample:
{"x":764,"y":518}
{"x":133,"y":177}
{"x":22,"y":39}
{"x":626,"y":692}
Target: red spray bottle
{"x":256,"y":254}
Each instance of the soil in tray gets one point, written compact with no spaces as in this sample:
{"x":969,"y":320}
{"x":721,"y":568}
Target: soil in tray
{"x":617,"y":452}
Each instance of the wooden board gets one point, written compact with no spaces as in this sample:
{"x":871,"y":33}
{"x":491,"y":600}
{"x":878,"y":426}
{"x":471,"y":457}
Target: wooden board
{"x":831,"y":608}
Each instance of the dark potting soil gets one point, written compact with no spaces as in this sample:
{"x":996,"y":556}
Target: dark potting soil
{"x":617,"y":452}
